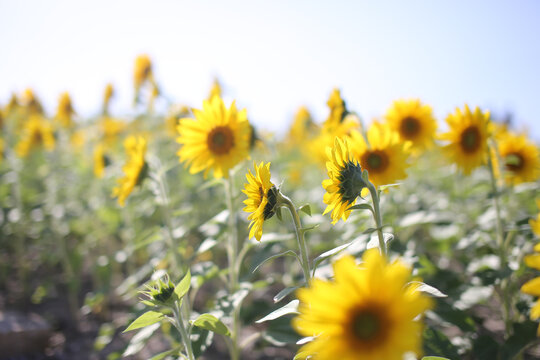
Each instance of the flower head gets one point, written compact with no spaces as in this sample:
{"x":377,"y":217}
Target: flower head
{"x":64,"y":111}
{"x":414,"y":122}
{"x":31,"y":103}
{"x":134,"y":170}
{"x":108,"y":93}
{"x":215,"y":90}
{"x":468,"y":138}
{"x":100,"y":160}
{"x":338,"y":109}
{"x":345,"y":181}
{"x":37,"y":132}
{"x":367,"y":312}
{"x":519,"y":157}
{"x":161,"y":293}
{"x":383,"y":155}
{"x":217,"y":139}
{"x":110,"y":128}
{"x":142,"y":71}
{"x":532,"y":287}
{"x":261,"y":198}
{"x":302,"y":127}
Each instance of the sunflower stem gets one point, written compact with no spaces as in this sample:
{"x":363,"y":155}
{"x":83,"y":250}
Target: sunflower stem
{"x":377,"y":216}
{"x":499,"y":233}
{"x":232,"y":255}
{"x":180,"y":325}
{"x":283,"y":200}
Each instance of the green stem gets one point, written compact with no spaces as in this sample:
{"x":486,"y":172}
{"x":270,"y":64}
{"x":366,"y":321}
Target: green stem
{"x":285,"y":201}
{"x":377,"y":216}
{"x":179,"y":322}
{"x":499,"y":233}
{"x":234,"y":271}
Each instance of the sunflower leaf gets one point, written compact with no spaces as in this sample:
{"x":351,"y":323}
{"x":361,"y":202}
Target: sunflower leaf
{"x":146,"y":319}
{"x":285,"y":253}
{"x":290,"y":308}
{"x":283,"y":293}
{"x":183,"y":286}
{"x":211,"y":323}
{"x":423,"y":287}
{"x":306,"y":209}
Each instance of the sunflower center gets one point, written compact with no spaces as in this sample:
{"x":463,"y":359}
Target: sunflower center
{"x":514,"y":162}
{"x":470,"y":139}
{"x":350,"y":182}
{"x":366,"y":325}
{"x":409,"y":127}
{"x":269,"y":208}
{"x":220,"y":140}
{"x":37,"y":137}
{"x":375,"y":161}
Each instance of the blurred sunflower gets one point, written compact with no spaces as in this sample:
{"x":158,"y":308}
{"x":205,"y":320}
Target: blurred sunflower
{"x":215,"y":90}
{"x":110,"y":129}
{"x":77,"y":139}
{"x":31,"y":103}
{"x":384,"y":156}
{"x":316,"y":147}
{"x":532,"y":287}
{"x":367,"y":312}
{"x":345,"y":181}
{"x":172,"y":120}
{"x":100,"y":160}
{"x":519,"y":157}
{"x":302,"y":128}
{"x":108,"y":93}
{"x":468,"y":138}
{"x":36,"y":132}
{"x":1,"y":149}
{"x":12,"y":105}
{"x":64,"y":111}
{"x":134,"y":170}
{"x":414,"y":122}
{"x":338,"y":109}
{"x":535,"y":223}
{"x":217,"y":139}
{"x":261,"y":198}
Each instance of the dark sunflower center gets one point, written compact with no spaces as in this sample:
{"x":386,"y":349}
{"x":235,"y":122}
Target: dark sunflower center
{"x":366,"y":325}
{"x":470,"y":139}
{"x":269,"y":208}
{"x":375,"y":161}
{"x":350,"y":182}
{"x":164,"y":294}
{"x":514,"y":162}
{"x":220,"y":140}
{"x":409,"y":127}
{"x":106,"y":160}
{"x":37,"y":137}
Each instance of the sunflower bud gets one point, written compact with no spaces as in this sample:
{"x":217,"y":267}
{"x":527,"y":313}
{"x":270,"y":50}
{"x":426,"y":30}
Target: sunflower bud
{"x":160,"y":294}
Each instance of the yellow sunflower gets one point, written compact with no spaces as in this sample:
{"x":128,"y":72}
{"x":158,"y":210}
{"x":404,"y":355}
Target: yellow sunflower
{"x":367,"y":312}
{"x":31,"y":103}
{"x":142,"y":71}
{"x":519,"y":157}
{"x":302,"y":128}
{"x":64,"y":111}
{"x":37,"y":132}
{"x":110,"y":128}
{"x":108,"y":93}
{"x":316,"y":147}
{"x":100,"y":160}
{"x":384,"y":156}
{"x":217,"y":139}
{"x":261,"y":198}
{"x":345,"y":181}
{"x":134,"y":170}
{"x":532,"y":287}
{"x":338,"y":109}
{"x":414,"y":122}
{"x":535,"y":223}
{"x":468,"y":138}
{"x":215,"y":90}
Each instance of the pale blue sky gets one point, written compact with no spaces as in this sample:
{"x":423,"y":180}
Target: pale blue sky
{"x":273,"y":56}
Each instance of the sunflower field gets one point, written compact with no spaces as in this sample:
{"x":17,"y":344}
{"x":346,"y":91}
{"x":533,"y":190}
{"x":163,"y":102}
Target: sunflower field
{"x":195,"y":235}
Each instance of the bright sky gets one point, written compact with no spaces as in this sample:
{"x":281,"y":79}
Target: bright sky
{"x":273,"y":56}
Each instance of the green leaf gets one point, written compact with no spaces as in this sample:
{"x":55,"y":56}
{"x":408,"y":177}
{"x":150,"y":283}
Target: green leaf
{"x":285,"y":253}
{"x":364,"y":206}
{"x":423,"y":287}
{"x":137,"y":342}
{"x":148,"y":318}
{"x":290,"y":308}
{"x":306,"y":209}
{"x":164,"y":354}
{"x":278,"y":213}
{"x":283,"y":293}
{"x":369,"y":230}
{"x":211,"y":323}
{"x":329,"y":253}
{"x":183,"y":286}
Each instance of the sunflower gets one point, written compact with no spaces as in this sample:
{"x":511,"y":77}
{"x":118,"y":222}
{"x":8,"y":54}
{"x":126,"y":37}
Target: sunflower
{"x":134,"y":170}
{"x":302,"y":128}
{"x":535,"y":223}
{"x":64,"y":112}
{"x":215,"y":90}
{"x":532,"y":287}
{"x":108,"y":93}
{"x":338,"y":109}
{"x":261,"y":198}
{"x":316,"y":148}
{"x":218,"y":138}
{"x":31,"y":103}
{"x":37,"y":132}
{"x":345,"y":181}
{"x":110,"y":128}
{"x":384,"y":156}
{"x":367,"y":312}
{"x":468,"y":138}
{"x":100,"y":160}
{"x":519,"y":157}
{"x":414,"y":122}
{"x":142,"y":71}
